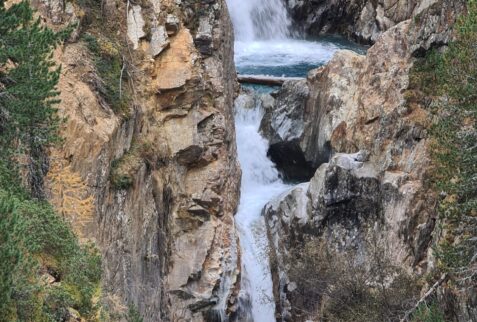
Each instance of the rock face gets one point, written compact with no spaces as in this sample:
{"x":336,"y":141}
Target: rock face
{"x":360,"y":20}
{"x":349,"y":86}
{"x":167,"y":237}
{"x":283,"y":126}
{"x":358,"y":104}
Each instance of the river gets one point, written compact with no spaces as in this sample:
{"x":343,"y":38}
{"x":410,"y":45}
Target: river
{"x":265,"y":45}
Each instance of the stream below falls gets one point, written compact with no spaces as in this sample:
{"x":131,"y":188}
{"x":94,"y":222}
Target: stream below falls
{"x":265,"y":45}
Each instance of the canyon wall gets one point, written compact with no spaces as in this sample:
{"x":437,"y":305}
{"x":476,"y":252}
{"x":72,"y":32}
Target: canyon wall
{"x":370,"y":143}
{"x":153,"y":180}
{"x":361,"y":20}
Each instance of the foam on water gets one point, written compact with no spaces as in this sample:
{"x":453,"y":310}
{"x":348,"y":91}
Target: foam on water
{"x":260,"y":183}
{"x":289,"y":57}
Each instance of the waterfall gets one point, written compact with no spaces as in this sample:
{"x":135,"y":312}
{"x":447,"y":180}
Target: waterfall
{"x":259,"y":19}
{"x":260,"y":183}
{"x":263,"y":45}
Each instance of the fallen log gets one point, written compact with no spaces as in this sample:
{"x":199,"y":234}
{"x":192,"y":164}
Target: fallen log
{"x":265,"y":80}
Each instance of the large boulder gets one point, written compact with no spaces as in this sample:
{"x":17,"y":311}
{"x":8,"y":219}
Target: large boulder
{"x":361,"y":20}
{"x":283,"y":125}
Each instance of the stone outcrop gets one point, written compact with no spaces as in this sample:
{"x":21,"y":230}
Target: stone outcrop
{"x":351,"y":85}
{"x":167,"y":233}
{"x":359,"y":104}
{"x":283,"y":126}
{"x":360,"y":20}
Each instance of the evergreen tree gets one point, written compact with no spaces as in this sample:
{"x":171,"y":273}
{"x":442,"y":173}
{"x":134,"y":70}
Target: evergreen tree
{"x":28,"y":80}
{"x":32,"y":236}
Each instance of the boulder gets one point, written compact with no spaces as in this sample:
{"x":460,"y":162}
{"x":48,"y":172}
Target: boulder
{"x":283,"y":126}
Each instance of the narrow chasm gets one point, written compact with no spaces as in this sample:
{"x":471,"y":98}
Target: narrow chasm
{"x":268,"y":122}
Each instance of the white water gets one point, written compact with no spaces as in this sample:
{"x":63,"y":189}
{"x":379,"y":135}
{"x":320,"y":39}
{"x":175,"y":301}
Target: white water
{"x":264,"y":42}
{"x":260,"y":183}
{"x":271,"y":56}
{"x":263,"y":46}
{"x":259,"y":19}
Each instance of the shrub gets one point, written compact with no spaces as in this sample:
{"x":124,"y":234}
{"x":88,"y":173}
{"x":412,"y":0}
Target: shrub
{"x":428,"y":313}
{"x":133,"y":315}
{"x":124,"y":169}
{"x":33,"y":239}
{"x":340,"y":287}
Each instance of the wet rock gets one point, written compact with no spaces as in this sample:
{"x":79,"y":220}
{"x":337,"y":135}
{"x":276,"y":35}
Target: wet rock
{"x":285,"y":122}
{"x":267,"y":101}
{"x":246,"y":100}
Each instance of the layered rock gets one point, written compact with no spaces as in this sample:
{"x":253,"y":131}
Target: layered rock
{"x":167,"y":233}
{"x":378,"y":196}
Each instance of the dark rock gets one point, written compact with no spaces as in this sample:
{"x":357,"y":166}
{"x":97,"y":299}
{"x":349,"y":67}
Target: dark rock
{"x":283,"y":126}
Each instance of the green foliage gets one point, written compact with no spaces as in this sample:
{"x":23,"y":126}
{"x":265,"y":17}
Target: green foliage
{"x":28,"y":79}
{"x":119,"y":177}
{"x":36,"y":245}
{"x":33,"y":236}
{"x":133,"y":315}
{"x":124,"y":169}
{"x":450,"y":78}
{"x":111,"y":70}
{"x":428,"y":313}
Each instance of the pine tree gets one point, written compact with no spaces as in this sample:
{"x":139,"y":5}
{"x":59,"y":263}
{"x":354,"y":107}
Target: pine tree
{"x":28,"y":80}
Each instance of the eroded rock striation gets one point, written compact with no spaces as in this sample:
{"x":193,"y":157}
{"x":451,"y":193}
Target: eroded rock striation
{"x":371,"y":148}
{"x":156,"y":183}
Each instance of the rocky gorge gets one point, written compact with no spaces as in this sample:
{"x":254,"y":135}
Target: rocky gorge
{"x":163,"y":160}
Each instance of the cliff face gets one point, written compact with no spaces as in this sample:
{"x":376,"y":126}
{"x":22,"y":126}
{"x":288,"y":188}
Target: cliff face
{"x":370,"y":192}
{"x":361,"y":20}
{"x":155,"y":185}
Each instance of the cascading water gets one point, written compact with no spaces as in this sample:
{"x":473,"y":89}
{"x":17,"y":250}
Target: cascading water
{"x":260,"y":183}
{"x":263,"y":19}
{"x":264,"y":46}
{"x":264,"y":43}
